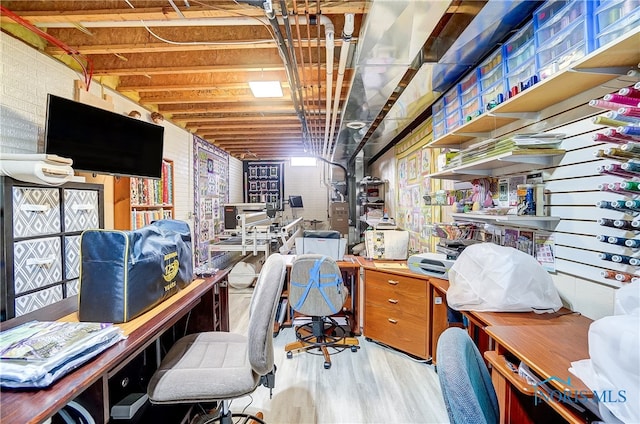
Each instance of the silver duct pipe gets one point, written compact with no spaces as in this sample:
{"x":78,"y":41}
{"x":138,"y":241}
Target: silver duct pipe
{"x":344,"y":52}
{"x":294,"y":65}
{"x":284,"y":53}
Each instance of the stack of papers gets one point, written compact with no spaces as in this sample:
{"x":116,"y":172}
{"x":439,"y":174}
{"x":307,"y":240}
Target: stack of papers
{"x":538,"y":140}
{"x":36,"y":354}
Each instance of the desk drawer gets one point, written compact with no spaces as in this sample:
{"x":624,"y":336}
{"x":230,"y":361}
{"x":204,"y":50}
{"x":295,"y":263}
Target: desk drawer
{"x":396,"y":285}
{"x":397,"y":329}
{"x":410,"y":301}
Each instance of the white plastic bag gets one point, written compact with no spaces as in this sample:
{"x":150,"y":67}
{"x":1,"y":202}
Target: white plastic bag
{"x":613,"y":369}
{"x":488,"y":277}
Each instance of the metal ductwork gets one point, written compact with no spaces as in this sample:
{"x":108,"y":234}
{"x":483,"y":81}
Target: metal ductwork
{"x":400,"y":73}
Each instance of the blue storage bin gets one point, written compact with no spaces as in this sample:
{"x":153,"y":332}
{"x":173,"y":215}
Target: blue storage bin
{"x":452,"y":100}
{"x":468,"y":87}
{"x":563,"y":33}
{"x":453,"y":120}
{"x":567,"y":47}
{"x":572,"y":11}
{"x":520,"y":48}
{"x":522,"y":78}
{"x":492,"y":70}
{"x":472,"y":108}
{"x":548,"y":11}
{"x":613,"y":19}
{"x":439,"y":128}
{"x":494,"y":95}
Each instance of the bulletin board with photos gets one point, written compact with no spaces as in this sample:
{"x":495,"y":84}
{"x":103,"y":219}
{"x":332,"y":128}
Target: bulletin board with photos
{"x":264,"y":182}
{"x":211,"y":185}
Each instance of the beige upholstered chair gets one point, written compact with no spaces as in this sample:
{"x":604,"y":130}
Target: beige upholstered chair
{"x":316,"y":290}
{"x":220,"y":366}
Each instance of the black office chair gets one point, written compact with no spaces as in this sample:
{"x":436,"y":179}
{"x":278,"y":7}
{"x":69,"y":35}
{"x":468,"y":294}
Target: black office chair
{"x":220,"y":366}
{"x":467,"y":389}
{"x":316,"y":289}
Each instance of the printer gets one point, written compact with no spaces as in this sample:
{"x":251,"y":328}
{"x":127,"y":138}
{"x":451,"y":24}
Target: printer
{"x":431,"y":264}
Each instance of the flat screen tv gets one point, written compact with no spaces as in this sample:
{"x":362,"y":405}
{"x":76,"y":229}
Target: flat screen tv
{"x":295,"y":202}
{"x":103,"y":142}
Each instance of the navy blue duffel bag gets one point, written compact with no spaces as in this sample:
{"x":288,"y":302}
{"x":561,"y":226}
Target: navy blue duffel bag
{"x":125,"y":273}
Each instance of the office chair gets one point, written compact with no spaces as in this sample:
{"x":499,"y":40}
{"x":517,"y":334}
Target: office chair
{"x":466,"y":385}
{"x":316,"y":289}
{"x":219,"y":366}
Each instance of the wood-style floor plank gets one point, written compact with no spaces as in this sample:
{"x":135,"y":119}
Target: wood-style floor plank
{"x":374,"y":385}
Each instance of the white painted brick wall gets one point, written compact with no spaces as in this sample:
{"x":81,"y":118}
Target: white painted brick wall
{"x":27,"y":76}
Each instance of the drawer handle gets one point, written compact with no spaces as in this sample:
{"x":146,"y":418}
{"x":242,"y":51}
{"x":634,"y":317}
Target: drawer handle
{"x":392,"y":321}
{"x":41,"y":262}
{"x":394,"y":301}
{"x":83,"y":207}
{"x":34,"y":208}
{"x":392,"y":282}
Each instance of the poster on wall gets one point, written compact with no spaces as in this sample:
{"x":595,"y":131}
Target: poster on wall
{"x":211,"y":175}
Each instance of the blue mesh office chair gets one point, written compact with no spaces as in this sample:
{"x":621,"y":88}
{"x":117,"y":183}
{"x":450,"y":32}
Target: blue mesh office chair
{"x":466,"y":385}
{"x":316,"y":289}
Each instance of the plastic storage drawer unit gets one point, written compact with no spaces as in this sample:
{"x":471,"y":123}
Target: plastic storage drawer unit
{"x":439,"y":127}
{"x":472,"y":109}
{"x":452,"y":100}
{"x":492,"y":74}
{"x":453,"y":120}
{"x":491,"y":70}
{"x":494,"y":95}
{"x":613,"y":19}
{"x":522,"y":78}
{"x":469,"y":87}
{"x":563,"y":35}
{"x":520,"y":48}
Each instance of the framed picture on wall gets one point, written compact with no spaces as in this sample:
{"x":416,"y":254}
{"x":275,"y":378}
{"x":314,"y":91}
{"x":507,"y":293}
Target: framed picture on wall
{"x":265,"y":185}
{"x":412,"y":167}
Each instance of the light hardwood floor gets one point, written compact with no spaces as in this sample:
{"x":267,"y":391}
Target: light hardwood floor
{"x":374,"y":385}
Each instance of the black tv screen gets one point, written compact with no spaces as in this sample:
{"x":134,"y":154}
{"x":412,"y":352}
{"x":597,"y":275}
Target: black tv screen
{"x":295,"y":202}
{"x":103,"y":142}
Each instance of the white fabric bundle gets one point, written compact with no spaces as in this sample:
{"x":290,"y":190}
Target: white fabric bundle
{"x":487,"y":277}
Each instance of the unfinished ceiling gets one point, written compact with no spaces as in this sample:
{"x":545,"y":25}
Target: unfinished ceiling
{"x":343,"y":65}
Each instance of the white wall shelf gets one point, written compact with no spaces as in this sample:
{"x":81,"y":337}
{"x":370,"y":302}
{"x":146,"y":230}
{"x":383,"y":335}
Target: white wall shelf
{"x":539,"y":222}
{"x":494,"y":166}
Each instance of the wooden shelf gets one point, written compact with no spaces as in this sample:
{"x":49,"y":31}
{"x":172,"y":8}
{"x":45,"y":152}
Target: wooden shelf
{"x":602,"y":65}
{"x":124,"y":211}
{"x":542,"y":222}
{"x":487,"y":167}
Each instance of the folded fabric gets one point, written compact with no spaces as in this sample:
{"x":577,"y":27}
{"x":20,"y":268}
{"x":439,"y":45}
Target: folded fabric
{"x":35,"y":354}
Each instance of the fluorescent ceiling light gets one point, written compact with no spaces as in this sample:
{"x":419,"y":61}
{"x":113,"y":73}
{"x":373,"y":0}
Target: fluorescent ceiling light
{"x":266,"y":88}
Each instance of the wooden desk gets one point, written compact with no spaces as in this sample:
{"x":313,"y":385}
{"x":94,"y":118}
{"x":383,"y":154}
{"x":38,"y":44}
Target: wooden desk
{"x":403,"y":309}
{"x":547,"y":348}
{"x":201,"y":306}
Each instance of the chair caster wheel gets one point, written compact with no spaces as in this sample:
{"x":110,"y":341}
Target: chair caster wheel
{"x":327,"y":365}
{"x":289,"y":355}
{"x":354,"y":349}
